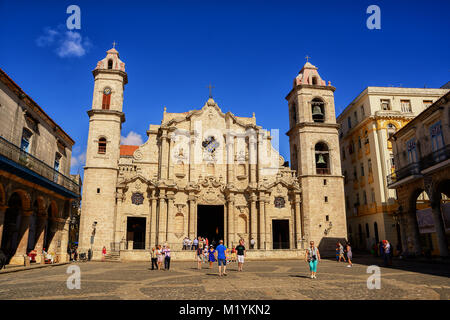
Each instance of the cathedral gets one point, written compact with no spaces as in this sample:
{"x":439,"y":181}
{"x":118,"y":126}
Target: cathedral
{"x":211,"y":174}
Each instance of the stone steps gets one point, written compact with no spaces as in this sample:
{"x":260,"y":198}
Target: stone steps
{"x":112,"y":256}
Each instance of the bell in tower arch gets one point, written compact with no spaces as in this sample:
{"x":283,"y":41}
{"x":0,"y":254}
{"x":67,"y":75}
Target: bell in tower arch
{"x":321,"y":160}
{"x":317,"y":110}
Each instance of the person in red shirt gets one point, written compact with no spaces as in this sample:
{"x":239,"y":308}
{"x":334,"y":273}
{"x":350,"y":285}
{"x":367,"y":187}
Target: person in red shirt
{"x":103,"y":253}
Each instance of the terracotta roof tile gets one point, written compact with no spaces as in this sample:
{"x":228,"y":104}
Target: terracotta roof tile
{"x":126,"y":150}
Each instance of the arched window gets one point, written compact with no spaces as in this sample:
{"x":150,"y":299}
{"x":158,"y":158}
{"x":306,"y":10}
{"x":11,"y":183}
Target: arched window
{"x":318,"y":110}
{"x":106,"y":98}
{"x":322,"y":158}
{"x":110,"y":64}
{"x":102,"y":145}
{"x":314,"y":81}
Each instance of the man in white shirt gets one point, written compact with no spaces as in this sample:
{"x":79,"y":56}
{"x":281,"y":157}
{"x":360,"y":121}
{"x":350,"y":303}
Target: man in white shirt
{"x":195,"y":244}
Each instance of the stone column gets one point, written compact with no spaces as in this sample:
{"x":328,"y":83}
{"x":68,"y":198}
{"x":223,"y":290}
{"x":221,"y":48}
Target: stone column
{"x":162,"y":216}
{"x":231,"y":231}
{"x":2,"y":221}
{"x":169,"y":158}
{"x":252,"y":152}
{"x":413,"y":229}
{"x":230,"y":157}
{"x":40,"y":233}
{"x":164,"y":156}
{"x":23,"y":233}
{"x":191,"y":209}
{"x":402,"y":223}
{"x":439,"y":227}
{"x":153,"y":221}
{"x":253,"y":221}
{"x":298,"y":228}
{"x":262,"y":222}
{"x":192,"y":156}
{"x":170,"y":218}
{"x":118,"y":228}
{"x":63,"y":256}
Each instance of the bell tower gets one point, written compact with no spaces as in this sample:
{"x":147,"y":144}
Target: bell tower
{"x":102,"y":154}
{"x":315,"y":155}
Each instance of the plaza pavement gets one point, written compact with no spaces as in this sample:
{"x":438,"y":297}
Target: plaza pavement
{"x":286,"y":279}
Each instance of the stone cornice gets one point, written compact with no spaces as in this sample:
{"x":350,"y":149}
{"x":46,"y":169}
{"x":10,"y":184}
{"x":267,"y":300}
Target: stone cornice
{"x":301,"y":125}
{"x":121,"y":115}
{"x":309,"y":86}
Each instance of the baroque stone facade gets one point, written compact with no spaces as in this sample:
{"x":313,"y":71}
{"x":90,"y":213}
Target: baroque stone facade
{"x":200,"y":173}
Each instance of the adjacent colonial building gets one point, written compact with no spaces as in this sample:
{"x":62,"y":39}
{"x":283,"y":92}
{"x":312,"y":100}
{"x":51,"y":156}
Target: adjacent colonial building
{"x":367,"y":158}
{"x":36,"y":190}
{"x":422,"y":180}
{"x":210,"y":173}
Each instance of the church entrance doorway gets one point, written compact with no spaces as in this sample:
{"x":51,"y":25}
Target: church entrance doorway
{"x":280,"y":229}
{"x":210,"y":223}
{"x":136,"y":232}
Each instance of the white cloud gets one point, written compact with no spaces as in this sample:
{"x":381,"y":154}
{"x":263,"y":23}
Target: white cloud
{"x":78,"y":160}
{"x":132,"y":138}
{"x":67,"y":43}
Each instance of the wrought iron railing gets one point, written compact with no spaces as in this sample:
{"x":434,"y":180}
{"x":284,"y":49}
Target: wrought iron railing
{"x":425,"y":162}
{"x":322,"y":171}
{"x":23,"y":158}
{"x":435,"y":157}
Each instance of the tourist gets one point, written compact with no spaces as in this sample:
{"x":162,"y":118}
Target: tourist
{"x":184,"y":243}
{"x":337,"y":252}
{"x":159,"y":256}
{"x":195,"y":246}
{"x":207,"y":242}
{"x":199,"y":257}
{"x":103,"y":253}
{"x":341,"y":252}
{"x":75,"y":254}
{"x":312,"y":257}
{"x":189,"y":243}
{"x":240,"y":249}
{"x":154,"y":259}
{"x":252,"y":243}
{"x":221,"y":258}
{"x":349,"y":255}
{"x":205,"y":254}
{"x":387,"y":253}
{"x":212,"y":258}
{"x":233,"y":254}
{"x":166,"y":257}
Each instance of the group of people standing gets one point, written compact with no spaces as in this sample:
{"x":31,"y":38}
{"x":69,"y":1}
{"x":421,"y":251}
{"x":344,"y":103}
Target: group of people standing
{"x":159,"y":256}
{"x":222,"y":255}
{"x":342,"y":251}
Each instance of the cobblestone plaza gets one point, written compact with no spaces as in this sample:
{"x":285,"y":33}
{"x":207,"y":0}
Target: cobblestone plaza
{"x":284,"y":280}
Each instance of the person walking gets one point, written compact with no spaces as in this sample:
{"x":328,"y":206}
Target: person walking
{"x":154,"y":259}
{"x":387,"y":253}
{"x":312,"y":257}
{"x":240,"y":250}
{"x":159,"y":256}
{"x":349,"y":255}
{"x":205,"y":254}
{"x":212,"y":258}
{"x":233,"y":254}
{"x":341,"y":252}
{"x":252,"y":244}
{"x":221,"y":258}
{"x":103,"y":253}
{"x":199,"y":258}
{"x":337,"y":252}
{"x":167,"y":257}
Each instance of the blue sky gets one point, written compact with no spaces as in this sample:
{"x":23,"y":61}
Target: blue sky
{"x":249,"y":50}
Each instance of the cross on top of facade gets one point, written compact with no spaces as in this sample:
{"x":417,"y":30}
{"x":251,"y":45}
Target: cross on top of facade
{"x":210,"y":90}
{"x":307,"y":58}
{"x":114,"y":44}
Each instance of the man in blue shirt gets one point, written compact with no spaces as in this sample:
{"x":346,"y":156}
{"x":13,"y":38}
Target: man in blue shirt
{"x":221,"y":258}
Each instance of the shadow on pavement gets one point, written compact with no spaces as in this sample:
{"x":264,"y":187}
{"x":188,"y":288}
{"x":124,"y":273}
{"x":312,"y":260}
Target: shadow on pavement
{"x":419,"y":265}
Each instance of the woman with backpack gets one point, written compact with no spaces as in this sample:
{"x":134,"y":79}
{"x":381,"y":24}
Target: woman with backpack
{"x":312,"y":257}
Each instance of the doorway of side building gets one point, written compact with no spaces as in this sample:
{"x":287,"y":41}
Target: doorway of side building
{"x":280,"y":231}
{"x":136,"y":232}
{"x":210,"y":223}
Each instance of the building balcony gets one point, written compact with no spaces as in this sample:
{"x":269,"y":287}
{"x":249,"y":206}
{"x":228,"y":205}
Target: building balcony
{"x":370,"y":178}
{"x":435,"y":158}
{"x":416,"y":169}
{"x":362,"y":183}
{"x":355,"y":184}
{"x":21,"y":163}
